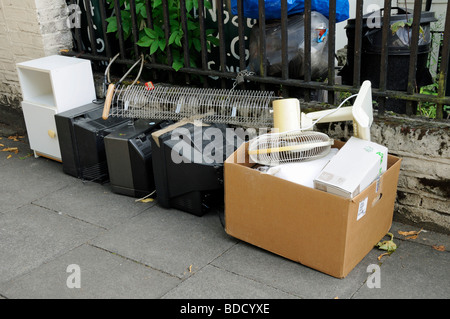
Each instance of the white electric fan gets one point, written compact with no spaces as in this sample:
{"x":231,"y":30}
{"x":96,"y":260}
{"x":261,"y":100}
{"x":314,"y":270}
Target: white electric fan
{"x":298,"y":142}
{"x":361,"y":113}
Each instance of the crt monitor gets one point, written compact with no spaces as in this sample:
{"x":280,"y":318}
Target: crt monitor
{"x":91,"y":147}
{"x":129,"y":158}
{"x":188,"y":166}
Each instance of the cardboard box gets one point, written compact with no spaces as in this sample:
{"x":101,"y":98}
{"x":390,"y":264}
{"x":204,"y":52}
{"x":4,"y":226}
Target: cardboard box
{"x":357,"y":164}
{"x":309,"y":226}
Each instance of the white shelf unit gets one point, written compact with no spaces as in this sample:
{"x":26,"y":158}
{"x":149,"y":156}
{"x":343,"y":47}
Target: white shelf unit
{"x":51,"y":85}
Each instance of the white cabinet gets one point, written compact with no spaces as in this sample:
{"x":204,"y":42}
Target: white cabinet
{"x":41,"y":128}
{"x":49,"y":86}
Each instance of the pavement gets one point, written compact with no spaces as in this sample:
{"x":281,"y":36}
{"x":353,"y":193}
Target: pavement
{"x":63,"y":238}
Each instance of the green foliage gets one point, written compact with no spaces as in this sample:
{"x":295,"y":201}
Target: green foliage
{"x":402,"y":24}
{"x":387,"y":245}
{"x":154,"y":39}
{"x":426,"y":108}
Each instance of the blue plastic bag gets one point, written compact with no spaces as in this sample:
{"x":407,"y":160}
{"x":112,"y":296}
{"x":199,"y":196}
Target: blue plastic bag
{"x":273,"y":8}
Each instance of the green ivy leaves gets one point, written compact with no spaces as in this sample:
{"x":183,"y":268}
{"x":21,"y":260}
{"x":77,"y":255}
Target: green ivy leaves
{"x":154,"y":38}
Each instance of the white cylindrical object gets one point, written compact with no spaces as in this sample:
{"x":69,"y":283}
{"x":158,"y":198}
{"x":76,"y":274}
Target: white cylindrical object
{"x":286,"y":114}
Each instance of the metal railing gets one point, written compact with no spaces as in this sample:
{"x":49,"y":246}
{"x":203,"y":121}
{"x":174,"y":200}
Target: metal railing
{"x":287,"y":83}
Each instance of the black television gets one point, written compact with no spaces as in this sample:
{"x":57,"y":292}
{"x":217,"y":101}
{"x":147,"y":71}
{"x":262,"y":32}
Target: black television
{"x":65,"y":127}
{"x":90,"y":134}
{"x":188,"y":166}
{"x":129,"y":158}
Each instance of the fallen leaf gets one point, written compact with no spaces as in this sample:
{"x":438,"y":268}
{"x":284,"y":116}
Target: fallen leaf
{"x":11,"y":149}
{"x":387,"y":245}
{"x":9,"y":156}
{"x":407,"y":233}
{"x":146,"y":200}
{"x":190,"y":268}
{"x":2,"y":145}
{"x":382,"y":255}
{"x":411,"y":234}
{"x":26,"y":156}
{"x":439,"y":248}
{"x":15,"y":138}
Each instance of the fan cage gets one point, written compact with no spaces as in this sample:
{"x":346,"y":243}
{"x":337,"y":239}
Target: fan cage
{"x":278,"y":148}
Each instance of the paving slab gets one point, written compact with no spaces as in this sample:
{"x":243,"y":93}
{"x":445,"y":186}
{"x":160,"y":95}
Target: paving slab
{"x":32,"y":235}
{"x":19,"y":142}
{"x":94,"y":203}
{"x":101,"y":275}
{"x":215,"y":283}
{"x":291,"y":277}
{"x":26,"y":180}
{"x":169,"y":240}
{"x":413,"y":271}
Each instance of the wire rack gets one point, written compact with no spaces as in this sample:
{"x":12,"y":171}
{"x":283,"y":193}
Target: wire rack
{"x":238,"y":107}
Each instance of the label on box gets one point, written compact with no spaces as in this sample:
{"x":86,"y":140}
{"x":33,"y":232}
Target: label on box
{"x":378,"y":185}
{"x":362,"y":208}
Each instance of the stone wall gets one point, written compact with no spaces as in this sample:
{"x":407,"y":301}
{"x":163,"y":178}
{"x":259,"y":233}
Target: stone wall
{"x":423,"y":196}
{"x":29,"y":29}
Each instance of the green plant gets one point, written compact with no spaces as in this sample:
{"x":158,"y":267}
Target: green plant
{"x":402,"y":24}
{"x":154,"y":38}
{"x":428,"y":109}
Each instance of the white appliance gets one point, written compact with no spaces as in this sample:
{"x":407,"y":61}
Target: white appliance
{"x":51,"y":85}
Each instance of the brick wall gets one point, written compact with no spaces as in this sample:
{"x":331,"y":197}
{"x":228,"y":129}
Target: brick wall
{"x":29,"y":29}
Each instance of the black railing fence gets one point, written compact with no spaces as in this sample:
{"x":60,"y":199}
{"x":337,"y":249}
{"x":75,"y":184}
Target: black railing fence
{"x":202,"y":43}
